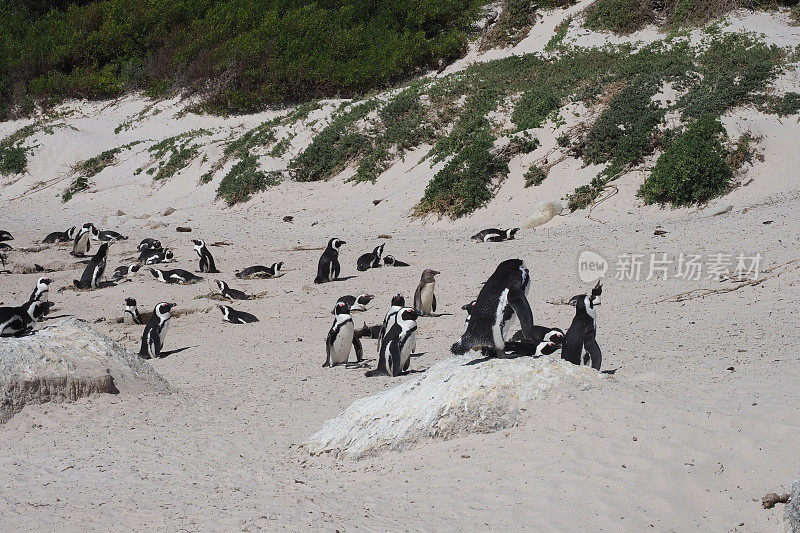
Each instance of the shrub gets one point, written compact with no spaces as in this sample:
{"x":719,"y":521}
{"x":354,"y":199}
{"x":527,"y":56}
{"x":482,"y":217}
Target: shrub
{"x":244,"y":180}
{"x":693,"y":168}
{"x":618,"y":16}
{"x":534,"y":176}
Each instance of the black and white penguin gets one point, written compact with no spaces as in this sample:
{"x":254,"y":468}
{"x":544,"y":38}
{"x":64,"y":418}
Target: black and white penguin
{"x":328,"y":266}
{"x":542,"y":334}
{"x":176,"y":275}
{"x":502,"y":300}
{"x":391,"y":261}
{"x":17,"y":321}
{"x":60,"y":236}
{"x":41,"y":293}
{"x":468,"y":308}
{"x":371,"y":259}
{"x":424,"y":298}
{"x":397,"y":344}
{"x":206,"y":260}
{"x":398,"y":302}
{"x":5,"y":236}
{"x":580,"y":343}
{"x":155,"y":332}
{"x":94,"y":270}
{"x":495,"y":235}
{"x":154,"y":257}
{"x":131,"y":314}
{"x":356,"y":303}
{"x":4,"y":246}
{"x":229,"y":314}
{"x":259,"y":271}
{"x":527,"y":348}
{"x":231,"y":294}
{"x":341,"y":337}
{"x":81,"y":243}
{"x":109,"y":235}
{"x":126,"y":271}
{"x":149,"y":244}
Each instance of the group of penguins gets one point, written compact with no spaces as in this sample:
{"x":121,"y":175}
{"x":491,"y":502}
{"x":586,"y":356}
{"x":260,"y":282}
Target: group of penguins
{"x":500,"y":305}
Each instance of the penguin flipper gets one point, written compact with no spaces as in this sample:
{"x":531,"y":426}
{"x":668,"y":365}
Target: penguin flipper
{"x":394,"y":353}
{"x":358,"y":349}
{"x":594,"y":352}
{"x":522,"y":308}
{"x":433,"y":308}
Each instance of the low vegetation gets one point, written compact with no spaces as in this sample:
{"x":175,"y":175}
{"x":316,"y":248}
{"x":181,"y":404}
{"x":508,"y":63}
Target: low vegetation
{"x":91,"y":167}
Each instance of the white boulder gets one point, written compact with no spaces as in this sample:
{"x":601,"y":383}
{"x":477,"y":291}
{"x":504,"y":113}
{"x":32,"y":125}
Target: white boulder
{"x":543,"y":212}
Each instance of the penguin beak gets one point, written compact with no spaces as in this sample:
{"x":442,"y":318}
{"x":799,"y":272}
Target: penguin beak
{"x":434,"y":272}
{"x":171,"y":305}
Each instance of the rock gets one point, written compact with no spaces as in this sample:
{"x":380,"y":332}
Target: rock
{"x":543,"y":212}
{"x":168,"y":211}
{"x":720,"y":210}
{"x":449,"y":400}
{"x":793,"y":511}
{"x":66,"y":361}
{"x":120,"y":213}
{"x":183,"y":229}
{"x":384,"y":236}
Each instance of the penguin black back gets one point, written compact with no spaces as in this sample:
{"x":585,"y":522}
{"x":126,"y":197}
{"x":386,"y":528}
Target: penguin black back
{"x":328,"y":267}
{"x":206,"y":259}
{"x":94,"y":270}
{"x":580,"y":342}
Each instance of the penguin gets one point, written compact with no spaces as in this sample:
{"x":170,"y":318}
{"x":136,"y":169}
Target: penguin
{"x":328,"y":266}
{"x":41,"y":292}
{"x":396,"y":346}
{"x":125,"y":271}
{"x":60,"y":236}
{"x":580,"y":343}
{"x":154,"y":257}
{"x":495,"y":235}
{"x":391,"y":261}
{"x":341,"y":337}
{"x":155,"y":332}
{"x":206,"y":260}
{"x":468,"y":308}
{"x":131,"y":314}
{"x":5,"y":236}
{"x":424,"y":299}
{"x":107,"y":235}
{"x":229,"y":314}
{"x":227,"y":292}
{"x":176,"y":275}
{"x":94,"y":270}
{"x":398,"y":302}
{"x":258,"y":271}
{"x":371,"y":259}
{"x":358,"y":303}
{"x":81,"y":244}
{"x":4,"y":246}
{"x":502,"y":299}
{"x":542,"y":334}
{"x":17,"y":321}
{"x":149,"y":244}
{"x":526,"y":348}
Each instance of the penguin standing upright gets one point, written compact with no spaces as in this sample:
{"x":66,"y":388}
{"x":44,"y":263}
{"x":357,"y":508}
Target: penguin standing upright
{"x":155,"y":332}
{"x":396,"y":346}
{"x":424,"y":298}
{"x":131,"y":314}
{"x":17,"y":321}
{"x":341,"y":337}
{"x":371,"y":259}
{"x":328,"y":266}
{"x":580,"y":343}
{"x":206,"y":260}
{"x":398,"y":302}
{"x":94,"y":270}
{"x":41,"y":293}
{"x":81,"y":244}
{"x":502,"y":299}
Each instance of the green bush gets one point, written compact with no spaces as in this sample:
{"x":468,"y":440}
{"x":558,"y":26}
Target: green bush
{"x":244,"y":180}
{"x":693,"y":168}
{"x":534,"y":176}
{"x":618,"y":16}
{"x":13,"y":160}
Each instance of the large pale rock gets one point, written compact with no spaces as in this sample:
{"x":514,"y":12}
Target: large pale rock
{"x":66,"y":361}
{"x":543,"y":212}
{"x":450,"y":399}
{"x":793,"y":511}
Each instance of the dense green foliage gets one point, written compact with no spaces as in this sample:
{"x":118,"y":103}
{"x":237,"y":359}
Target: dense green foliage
{"x":693,"y":168}
{"x":247,"y":52}
{"x":13,"y":155}
{"x":244,"y":180}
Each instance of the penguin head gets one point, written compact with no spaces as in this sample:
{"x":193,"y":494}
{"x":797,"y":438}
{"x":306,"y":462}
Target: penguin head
{"x":364,"y":299}
{"x":388,"y":260}
{"x":134,"y":268}
{"x":546,"y":348}
{"x":130,"y":302}
{"x":468,"y":307}
{"x":336,"y":243}
{"x":341,"y":308}
{"x":596,"y":292}
{"x":409,"y":313}
{"x":428,"y":275}
{"x":37,"y":309}
{"x":71,"y":232}
{"x":168,"y":255}
{"x":398,"y":300}
{"x":5,"y":236}
{"x":163,"y":309}
{"x":277,"y":266}
{"x":221,"y":285}
{"x":154,"y":272}
{"x":554,"y":335}
{"x":378,"y":251}
{"x":512,"y":232}
{"x":225,"y":310}
{"x":198,"y":243}
{"x":44,"y":281}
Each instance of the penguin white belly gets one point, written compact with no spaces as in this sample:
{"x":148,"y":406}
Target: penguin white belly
{"x":340,"y":350}
{"x":127,"y":318}
{"x":163,"y":333}
{"x":426,"y":298}
{"x":498,"y":333}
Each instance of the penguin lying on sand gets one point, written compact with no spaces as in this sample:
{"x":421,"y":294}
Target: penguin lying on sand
{"x":154,"y":257}
{"x":176,"y":275}
{"x":110,"y":235}
{"x":149,"y":244}
{"x":391,"y":261}
{"x":229,"y":314}
{"x":60,"y":236}
{"x":126,"y":271}
{"x":17,"y":321}
{"x":355,"y":303}
{"x":259,"y":271}
{"x":5,"y":236}
{"x":227,"y":292}
{"x":494,"y":235}
{"x":371,"y":259}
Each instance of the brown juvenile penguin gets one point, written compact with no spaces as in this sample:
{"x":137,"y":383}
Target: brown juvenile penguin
{"x":424,"y":299}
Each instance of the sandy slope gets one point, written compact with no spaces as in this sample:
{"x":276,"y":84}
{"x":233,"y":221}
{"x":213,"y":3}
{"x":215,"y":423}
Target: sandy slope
{"x":673,"y":439}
